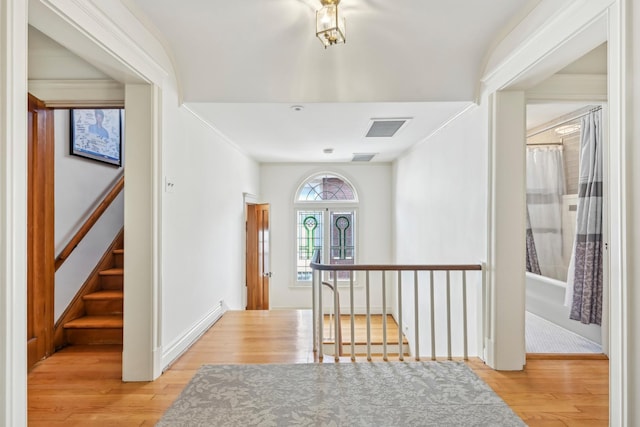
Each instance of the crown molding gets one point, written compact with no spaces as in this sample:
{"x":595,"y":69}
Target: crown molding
{"x":78,"y":93}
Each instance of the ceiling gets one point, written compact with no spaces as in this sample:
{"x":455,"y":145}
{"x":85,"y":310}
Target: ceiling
{"x":277,"y":133}
{"x":266,"y":51}
{"x":242,"y":64}
{"x":49,"y":60}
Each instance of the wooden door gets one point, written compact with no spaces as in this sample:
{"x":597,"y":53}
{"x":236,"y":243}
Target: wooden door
{"x":40,"y":232}
{"x":258,"y":257}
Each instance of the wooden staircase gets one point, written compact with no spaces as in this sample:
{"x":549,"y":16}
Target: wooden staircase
{"x":102,"y":320}
{"x":95,"y":314}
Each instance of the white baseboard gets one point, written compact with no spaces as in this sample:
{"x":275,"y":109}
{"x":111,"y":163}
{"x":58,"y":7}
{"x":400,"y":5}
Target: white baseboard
{"x":182,"y":343}
{"x":489,"y":358}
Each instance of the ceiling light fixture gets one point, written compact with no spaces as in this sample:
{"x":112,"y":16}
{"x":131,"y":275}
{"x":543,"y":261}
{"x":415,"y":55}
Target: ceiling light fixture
{"x":330,"y":27}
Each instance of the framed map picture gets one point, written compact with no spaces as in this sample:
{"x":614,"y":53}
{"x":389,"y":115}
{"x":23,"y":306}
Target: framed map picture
{"x":96,"y":134}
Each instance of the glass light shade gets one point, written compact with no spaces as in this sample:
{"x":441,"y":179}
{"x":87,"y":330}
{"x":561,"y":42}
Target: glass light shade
{"x":330,"y":28}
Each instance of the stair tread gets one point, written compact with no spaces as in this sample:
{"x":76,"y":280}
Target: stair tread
{"x":105,"y":321}
{"x":107,"y":294}
{"x":112,"y":272}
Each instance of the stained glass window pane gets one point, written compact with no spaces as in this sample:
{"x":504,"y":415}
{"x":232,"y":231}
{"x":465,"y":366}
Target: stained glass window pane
{"x":309,"y":238}
{"x":342,"y":232}
{"x":326,"y":187}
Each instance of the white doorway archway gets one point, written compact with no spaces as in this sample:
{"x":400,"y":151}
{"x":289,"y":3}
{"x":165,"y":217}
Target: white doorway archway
{"x":82,"y":30}
{"x":580,"y":27}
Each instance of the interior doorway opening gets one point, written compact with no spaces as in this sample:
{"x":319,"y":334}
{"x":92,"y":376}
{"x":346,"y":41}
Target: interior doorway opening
{"x":556,"y":170}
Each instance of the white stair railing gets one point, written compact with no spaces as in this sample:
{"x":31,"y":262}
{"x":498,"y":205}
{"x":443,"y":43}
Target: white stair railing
{"x":318,"y":311}
{"x":337,"y":336}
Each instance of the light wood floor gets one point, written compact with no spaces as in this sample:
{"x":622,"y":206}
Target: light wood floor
{"x":80,"y":386}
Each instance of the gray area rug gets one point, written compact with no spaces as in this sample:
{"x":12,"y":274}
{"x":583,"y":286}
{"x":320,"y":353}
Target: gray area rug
{"x":341,"y":394}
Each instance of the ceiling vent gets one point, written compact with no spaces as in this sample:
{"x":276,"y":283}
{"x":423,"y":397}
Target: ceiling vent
{"x":363,"y":157}
{"x":385,"y":128}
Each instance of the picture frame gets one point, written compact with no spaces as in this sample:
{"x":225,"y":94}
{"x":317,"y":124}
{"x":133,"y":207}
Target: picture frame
{"x":96,"y":134}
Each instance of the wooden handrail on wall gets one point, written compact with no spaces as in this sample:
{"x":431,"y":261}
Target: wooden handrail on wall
{"x":89,"y":223}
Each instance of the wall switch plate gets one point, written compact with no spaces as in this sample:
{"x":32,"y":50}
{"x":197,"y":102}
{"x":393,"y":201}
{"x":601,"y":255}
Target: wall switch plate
{"x":169,"y":184}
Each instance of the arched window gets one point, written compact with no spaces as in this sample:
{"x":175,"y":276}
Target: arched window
{"x":326,"y":187}
{"x":326,"y":207}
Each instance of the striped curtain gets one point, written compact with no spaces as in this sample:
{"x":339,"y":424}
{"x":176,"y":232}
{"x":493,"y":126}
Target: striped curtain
{"x":532,"y":255}
{"x":587,"y":257}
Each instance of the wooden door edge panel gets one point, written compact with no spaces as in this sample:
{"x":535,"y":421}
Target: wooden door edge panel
{"x":251,"y":258}
{"x":265,"y":250}
{"x":40,"y":235}
{"x":256,"y":276}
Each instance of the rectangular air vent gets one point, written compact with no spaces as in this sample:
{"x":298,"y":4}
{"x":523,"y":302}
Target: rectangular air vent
{"x":385,"y":128}
{"x":363,"y":157}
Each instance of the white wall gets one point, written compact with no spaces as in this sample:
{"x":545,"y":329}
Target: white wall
{"x":440,"y":218}
{"x":203,"y":225}
{"x":440,"y":195}
{"x":80,"y":185}
{"x":278,"y":185}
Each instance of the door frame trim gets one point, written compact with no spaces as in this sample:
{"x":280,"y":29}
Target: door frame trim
{"x":255,"y":235}
{"x":13,"y":212}
{"x":248,"y":199}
